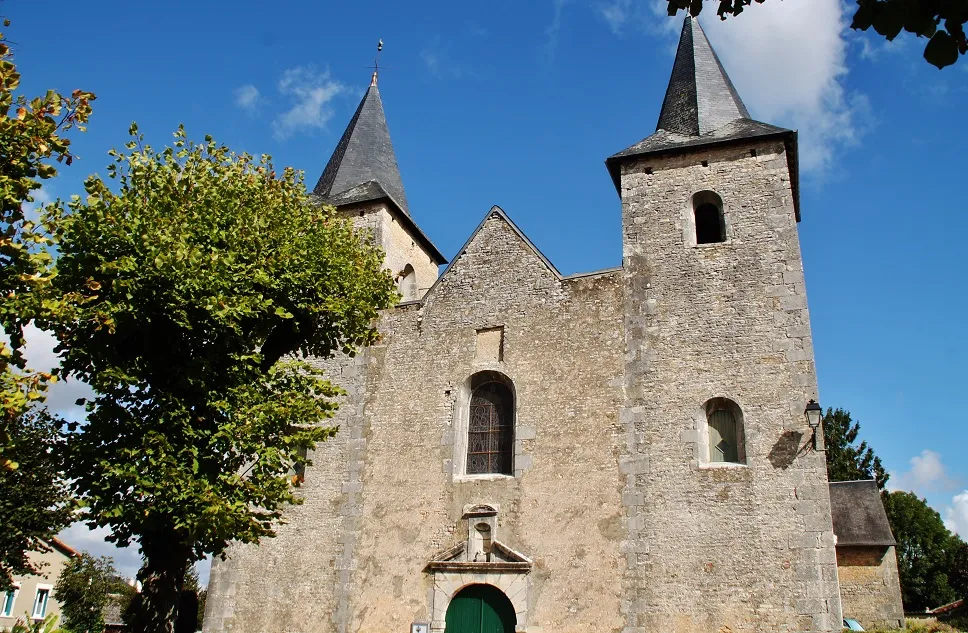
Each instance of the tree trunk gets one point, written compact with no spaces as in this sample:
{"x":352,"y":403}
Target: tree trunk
{"x":155,"y":609}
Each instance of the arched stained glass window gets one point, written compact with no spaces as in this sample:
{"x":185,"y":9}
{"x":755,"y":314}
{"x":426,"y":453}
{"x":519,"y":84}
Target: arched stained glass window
{"x":490,"y":431}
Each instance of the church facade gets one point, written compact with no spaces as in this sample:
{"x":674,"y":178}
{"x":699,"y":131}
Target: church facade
{"x":624,"y":450}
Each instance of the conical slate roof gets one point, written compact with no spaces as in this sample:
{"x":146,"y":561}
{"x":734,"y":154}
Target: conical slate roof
{"x":363,"y":168}
{"x":364,"y":158}
{"x":700,"y":97}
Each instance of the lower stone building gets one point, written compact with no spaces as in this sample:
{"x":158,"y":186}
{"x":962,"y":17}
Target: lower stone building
{"x":870,"y":589}
{"x":623,"y":450}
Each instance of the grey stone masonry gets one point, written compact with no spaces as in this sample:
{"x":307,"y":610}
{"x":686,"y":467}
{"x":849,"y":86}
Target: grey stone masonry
{"x":720,"y":547}
{"x":301,"y":580}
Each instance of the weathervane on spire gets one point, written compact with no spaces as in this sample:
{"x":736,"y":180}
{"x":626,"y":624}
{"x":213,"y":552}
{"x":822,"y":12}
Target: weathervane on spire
{"x":376,"y":62}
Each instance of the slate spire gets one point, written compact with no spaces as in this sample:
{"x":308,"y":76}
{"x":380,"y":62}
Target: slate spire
{"x":364,"y":158}
{"x":702,"y":109}
{"x":700,"y":97}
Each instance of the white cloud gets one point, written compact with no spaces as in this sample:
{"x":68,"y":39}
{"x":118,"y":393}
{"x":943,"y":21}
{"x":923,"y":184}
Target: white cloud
{"x":788,"y":61}
{"x":247,"y":97}
{"x":553,"y":31}
{"x":311,"y":93}
{"x":42,"y":197}
{"x":927,"y":474}
{"x":956,"y":515}
{"x":126,"y":559}
{"x":439,"y":62}
{"x":63,"y":394}
{"x":431,"y":60}
{"x":616,"y":14}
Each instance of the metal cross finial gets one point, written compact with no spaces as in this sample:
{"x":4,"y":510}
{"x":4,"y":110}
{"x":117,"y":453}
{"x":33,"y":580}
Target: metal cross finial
{"x":376,"y":62}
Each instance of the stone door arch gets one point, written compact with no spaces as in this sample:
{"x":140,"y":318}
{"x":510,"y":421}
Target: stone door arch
{"x":480,"y":608}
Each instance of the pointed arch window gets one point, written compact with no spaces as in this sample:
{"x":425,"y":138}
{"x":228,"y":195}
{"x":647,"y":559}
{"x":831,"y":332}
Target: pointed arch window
{"x":490,"y":430}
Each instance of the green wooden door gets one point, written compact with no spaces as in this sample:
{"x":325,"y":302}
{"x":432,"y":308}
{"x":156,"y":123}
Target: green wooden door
{"x":480,"y":609}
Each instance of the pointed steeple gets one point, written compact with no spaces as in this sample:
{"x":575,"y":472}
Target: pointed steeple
{"x":363,"y":160}
{"x":700,"y":97}
{"x":702,"y":109}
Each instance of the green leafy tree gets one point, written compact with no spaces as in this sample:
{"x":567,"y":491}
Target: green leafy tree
{"x":931,"y":560}
{"x":958,"y":574}
{"x":926,"y":551}
{"x":846,"y":459}
{"x":85,"y":586}
{"x":202,"y":599}
{"x":942,"y":22}
{"x":31,"y":141}
{"x":190,"y":608}
{"x":194,"y":283}
{"x":47,"y":625}
{"x":193,"y":584}
{"x":34,"y":503}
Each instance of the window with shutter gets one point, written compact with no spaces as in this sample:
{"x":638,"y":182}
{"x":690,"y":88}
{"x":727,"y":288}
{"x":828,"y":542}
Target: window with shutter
{"x":722,"y":437}
{"x":724,"y":432}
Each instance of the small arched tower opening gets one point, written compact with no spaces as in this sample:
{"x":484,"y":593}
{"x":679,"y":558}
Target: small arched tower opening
{"x":707,"y":208}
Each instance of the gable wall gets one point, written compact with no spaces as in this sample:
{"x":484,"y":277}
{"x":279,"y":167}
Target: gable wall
{"x":562,"y":350}
{"x":301,"y":580}
{"x":739,"y":548}
{"x":382,"y":498}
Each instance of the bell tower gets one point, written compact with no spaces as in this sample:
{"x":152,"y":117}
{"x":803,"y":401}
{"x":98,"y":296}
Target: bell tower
{"x":362,"y":180}
{"x":728,"y":523}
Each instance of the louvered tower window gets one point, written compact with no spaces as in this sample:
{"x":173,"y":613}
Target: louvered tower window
{"x":723,"y":437}
{"x":490,"y":432}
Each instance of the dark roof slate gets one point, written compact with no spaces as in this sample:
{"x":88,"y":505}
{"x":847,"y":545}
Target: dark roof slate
{"x":364,"y":154}
{"x":664,"y":140}
{"x":700,"y":97}
{"x":858,"y":514}
{"x":363,"y":168}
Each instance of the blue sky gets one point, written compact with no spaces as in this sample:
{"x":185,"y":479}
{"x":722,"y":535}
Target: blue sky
{"x":519,"y":103}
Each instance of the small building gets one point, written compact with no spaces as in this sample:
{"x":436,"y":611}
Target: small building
{"x":870,"y":589}
{"x":953,"y":610}
{"x":33,"y":595}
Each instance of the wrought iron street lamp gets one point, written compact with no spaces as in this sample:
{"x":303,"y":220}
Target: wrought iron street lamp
{"x":813,"y":413}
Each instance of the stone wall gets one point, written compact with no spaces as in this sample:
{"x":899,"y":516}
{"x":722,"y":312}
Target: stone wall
{"x":384,"y":497}
{"x":869,"y":586}
{"x":400,"y":246}
{"x":720,"y":547}
{"x":301,"y":579}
